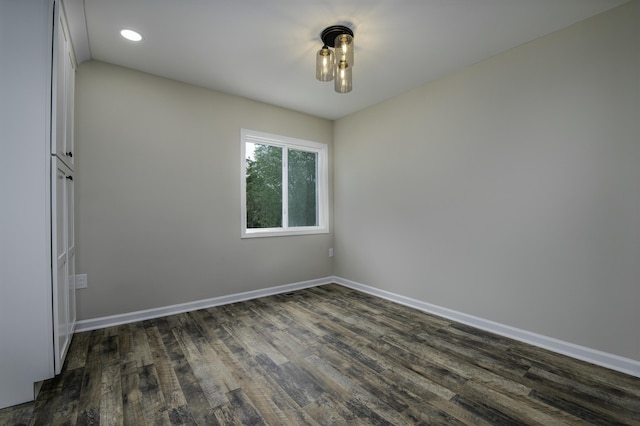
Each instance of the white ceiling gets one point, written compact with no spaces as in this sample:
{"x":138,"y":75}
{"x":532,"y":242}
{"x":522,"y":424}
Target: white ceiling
{"x":265,"y":49}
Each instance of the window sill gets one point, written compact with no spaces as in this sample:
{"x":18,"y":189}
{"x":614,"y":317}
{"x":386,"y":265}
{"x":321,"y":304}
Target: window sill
{"x":262,"y":233}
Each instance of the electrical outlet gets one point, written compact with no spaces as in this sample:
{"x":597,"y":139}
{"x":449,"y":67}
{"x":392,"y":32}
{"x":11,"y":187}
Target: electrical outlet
{"x":331,"y":252}
{"x":81,"y":281}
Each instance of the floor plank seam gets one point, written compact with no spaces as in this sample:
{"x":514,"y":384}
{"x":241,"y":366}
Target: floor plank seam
{"x":323,"y":355}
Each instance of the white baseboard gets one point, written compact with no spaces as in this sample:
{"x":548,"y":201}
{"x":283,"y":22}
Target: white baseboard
{"x":103,"y":322}
{"x":604,"y":359}
{"x":593,"y":356}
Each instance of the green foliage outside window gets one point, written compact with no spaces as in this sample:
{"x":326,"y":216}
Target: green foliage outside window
{"x":264,"y":187}
{"x":264,"y":195}
{"x":303,"y":207}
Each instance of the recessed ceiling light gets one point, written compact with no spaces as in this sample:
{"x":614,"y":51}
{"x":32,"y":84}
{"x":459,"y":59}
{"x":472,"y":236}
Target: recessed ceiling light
{"x":131,"y":35}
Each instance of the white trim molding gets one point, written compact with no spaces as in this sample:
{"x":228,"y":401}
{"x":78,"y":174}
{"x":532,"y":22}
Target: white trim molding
{"x":593,"y":356}
{"x":286,"y":144}
{"x":113,"y":320}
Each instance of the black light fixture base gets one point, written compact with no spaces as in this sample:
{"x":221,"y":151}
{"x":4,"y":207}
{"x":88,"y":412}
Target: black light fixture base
{"x":329,"y":34}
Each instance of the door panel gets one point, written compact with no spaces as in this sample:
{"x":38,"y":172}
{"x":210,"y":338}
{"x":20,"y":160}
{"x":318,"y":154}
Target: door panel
{"x":63,"y":258}
{"x":71,"y":254}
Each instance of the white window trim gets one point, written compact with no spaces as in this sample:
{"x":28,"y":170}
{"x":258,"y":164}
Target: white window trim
{"x":322,"y":179}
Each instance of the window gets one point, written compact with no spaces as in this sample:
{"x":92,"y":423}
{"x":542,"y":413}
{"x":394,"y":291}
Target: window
{"x":284,"y":186}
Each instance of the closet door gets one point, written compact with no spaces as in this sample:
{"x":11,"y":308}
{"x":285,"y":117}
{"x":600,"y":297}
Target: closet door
{"x":71,"y":254}
{"x":69,"y":88}
{"x":62,"y":189}
{"x":59,"y":86}
{"x":63,"y":260}
{"x":63,"y":91}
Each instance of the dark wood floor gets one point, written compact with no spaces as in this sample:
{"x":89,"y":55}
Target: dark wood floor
{"x":326,"y":355}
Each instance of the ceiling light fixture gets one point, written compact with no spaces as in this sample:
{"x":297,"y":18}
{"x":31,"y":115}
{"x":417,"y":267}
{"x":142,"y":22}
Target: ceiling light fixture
{"x":131,"y":35}
{"x":336,"y":64}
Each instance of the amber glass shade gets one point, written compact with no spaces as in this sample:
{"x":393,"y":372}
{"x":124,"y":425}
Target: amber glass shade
{"x":343,"y":83}
{"x":344,"y":49}
{"x":325,"y":68}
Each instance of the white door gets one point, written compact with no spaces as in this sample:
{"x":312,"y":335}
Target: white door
{"x":63,"y":91}
{"x":70,"y":84}
{"x":63,"y":252}
{"x":71,"y":255}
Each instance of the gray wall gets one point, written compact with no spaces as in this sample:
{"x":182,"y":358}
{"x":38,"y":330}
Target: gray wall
{"x":158,"y":194}
{"x":510,"y":190}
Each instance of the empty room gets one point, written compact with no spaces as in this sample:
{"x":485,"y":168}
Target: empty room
{"x":320,"y":212}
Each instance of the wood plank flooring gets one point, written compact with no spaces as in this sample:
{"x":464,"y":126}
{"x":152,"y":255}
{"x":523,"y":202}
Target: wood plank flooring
{"x":321,"y":356}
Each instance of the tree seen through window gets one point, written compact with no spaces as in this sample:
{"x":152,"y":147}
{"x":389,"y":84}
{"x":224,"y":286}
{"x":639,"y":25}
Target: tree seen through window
{"x":265,"y":198}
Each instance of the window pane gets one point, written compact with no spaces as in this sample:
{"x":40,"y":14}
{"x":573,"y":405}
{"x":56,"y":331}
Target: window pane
{"x":264,"y":186}
{"x":303,"y":202}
